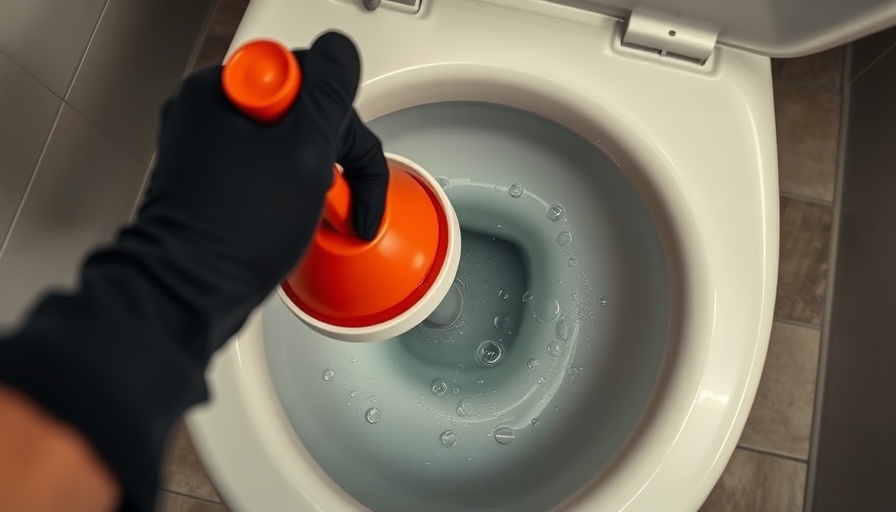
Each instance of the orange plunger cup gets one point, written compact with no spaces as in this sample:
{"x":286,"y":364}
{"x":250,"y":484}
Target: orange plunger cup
{"x":346,"y":287}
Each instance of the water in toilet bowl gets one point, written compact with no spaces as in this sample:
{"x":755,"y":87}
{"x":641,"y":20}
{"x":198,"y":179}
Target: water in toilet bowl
{"x":529,"y":379}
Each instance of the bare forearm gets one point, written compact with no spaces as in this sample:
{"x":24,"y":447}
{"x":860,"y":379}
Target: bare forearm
{"x":46,"y":465}
{"x":122,"y":357}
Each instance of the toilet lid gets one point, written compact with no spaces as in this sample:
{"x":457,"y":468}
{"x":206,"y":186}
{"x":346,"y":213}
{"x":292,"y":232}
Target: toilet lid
{"x":776,"y":28}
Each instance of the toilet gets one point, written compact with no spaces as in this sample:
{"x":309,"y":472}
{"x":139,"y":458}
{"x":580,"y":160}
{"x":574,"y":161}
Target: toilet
{"x":613,"y":168}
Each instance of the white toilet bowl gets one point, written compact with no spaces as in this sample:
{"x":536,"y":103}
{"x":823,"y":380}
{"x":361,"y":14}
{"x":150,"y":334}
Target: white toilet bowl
{"x":666,"y":172}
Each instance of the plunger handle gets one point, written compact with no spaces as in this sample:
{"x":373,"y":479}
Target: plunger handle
{"x":262,"y":79}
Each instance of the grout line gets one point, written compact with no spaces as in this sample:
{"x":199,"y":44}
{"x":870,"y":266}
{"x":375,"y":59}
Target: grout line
{"x":821,"y":372}
{"x":185,"y":495}
{"x":873,"y":62}
{"x":30,"y":75}
{"x":806,"y":199}
{"x":105,"y":136}
{"x":796,"y":323}
{"x":96,"y":27}
{"x":40,"y":159}
{"x":808,"y":85}
{"x":772,"y":453}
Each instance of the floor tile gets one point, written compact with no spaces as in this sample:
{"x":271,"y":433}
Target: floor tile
{"x":136,"y":59}
{"x":48,"y":37}
{"x":211,"y":52}
{"x":803,"y":264}
{"x":226,"y":18}
{"x":182,"y":471}
{"x":84,"y":190}
{"x":808,"y":123}
{"x":781,"y":418}
{"x":170,"y":502}
{"x":823,"y":70}
{"x":755,"y":482}
{"x":27,"y":113}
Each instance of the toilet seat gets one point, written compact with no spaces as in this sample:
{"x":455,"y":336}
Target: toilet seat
{"x":696,"y":141}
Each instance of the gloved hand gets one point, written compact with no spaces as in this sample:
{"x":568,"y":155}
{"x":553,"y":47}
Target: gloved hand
{"x":255,"y":192}
{"x":230,"y":207}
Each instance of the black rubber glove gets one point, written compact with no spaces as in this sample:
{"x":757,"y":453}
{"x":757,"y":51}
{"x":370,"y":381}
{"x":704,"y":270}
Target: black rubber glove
{"x":256,"y":192}
{"x":230,"y":208}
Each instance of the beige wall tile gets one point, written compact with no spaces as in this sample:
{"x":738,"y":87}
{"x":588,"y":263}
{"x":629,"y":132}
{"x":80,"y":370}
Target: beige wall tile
{"x":169,"y":502}
{"x":781,"y":418}
{"x":182,"y":471}
{"x":754,"y":482}
{"x":808,"y":124}
{"x":803,"y":266}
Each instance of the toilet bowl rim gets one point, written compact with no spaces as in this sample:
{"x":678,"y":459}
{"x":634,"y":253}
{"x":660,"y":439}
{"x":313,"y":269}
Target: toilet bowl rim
{"x":700,"y":268}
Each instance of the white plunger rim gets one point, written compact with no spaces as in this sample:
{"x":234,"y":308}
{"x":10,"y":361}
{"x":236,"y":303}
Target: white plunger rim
{"x":430,"y":300}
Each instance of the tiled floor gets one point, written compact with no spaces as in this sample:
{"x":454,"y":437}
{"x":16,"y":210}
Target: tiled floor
{"x":768,"y":470}
{"x":171,"y":502}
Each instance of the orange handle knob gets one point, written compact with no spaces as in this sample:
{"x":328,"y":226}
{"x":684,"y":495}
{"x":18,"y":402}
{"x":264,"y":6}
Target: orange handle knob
{"x":262,"y":79}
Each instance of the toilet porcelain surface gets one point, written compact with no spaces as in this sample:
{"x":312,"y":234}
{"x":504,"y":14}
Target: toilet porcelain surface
{"x":562,"y":329}
{"x":696,"y":143}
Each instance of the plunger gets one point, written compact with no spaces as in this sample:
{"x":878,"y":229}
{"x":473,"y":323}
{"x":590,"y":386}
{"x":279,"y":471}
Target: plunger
{"x":345,"y":287}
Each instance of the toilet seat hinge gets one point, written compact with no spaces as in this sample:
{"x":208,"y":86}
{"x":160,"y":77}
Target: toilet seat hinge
{"x":670,"y":35}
